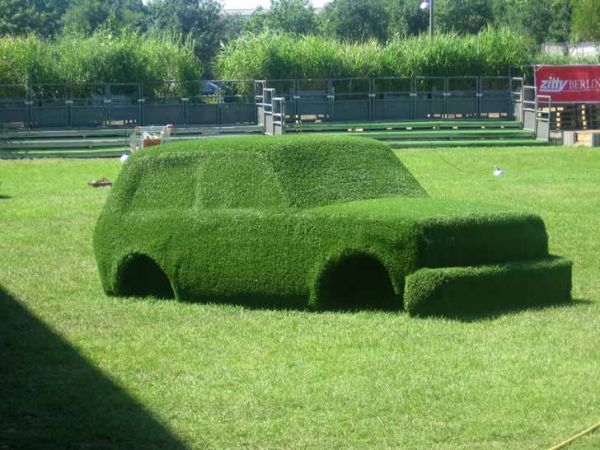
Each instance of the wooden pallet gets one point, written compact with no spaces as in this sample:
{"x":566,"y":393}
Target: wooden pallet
{"x":582,"y":138}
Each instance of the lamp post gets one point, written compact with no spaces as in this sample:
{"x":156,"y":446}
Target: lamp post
{"x":431,"y":19}
{"x":428,"y":4}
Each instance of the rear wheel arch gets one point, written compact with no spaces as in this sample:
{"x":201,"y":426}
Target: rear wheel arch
{"x":139,"y":274}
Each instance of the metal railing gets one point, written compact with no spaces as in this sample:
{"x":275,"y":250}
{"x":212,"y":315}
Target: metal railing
{"x":218,"y":103}
{"x":395,"y":98}
{"x":63,"y":105}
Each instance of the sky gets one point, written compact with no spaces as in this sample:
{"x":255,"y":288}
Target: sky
{"x":251,"y":4}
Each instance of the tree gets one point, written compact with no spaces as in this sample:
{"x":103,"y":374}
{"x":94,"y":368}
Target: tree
{"x":232,"y":25}
{"x":257,"y":21}
{"x":291,"y":16}
{"x":585,"y":24}
{"x":463,"y":16}
{"x":356,"y":20}
{"x":560,"y":27}
{"x":18,"y":17}
{"x":542,"y":21}
{"x":86,"y":16}
{"x":406,"y":18}
{"x":200,"y":20}
{"x":536,"y":19}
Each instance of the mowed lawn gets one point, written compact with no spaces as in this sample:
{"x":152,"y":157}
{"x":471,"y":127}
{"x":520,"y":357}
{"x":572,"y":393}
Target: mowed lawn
{"x":82,"y":370}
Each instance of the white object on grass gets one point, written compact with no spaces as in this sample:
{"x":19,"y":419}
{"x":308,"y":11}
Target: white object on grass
{"x":124,"y":158}
{"x":499,"y":172}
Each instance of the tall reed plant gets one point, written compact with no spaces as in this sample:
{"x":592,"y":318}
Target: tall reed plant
{"x":26,"y":60}
{"x":102,"y":57}
{"x":276,"y":55}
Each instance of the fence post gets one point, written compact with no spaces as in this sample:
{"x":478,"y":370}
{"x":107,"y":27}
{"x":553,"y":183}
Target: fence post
{"x":141,"y":101}
{"x":446,"y":96}
{"x":479,"y":96}
{"x":523,"y":102}
{"x":220,"y":106}
{"x":413,"y":98}
{"x":108,"y":102}
{"x":330,"y":100}
{"x":296,"y":100}
{"x":28,"y":106}
{"x":371,"y":99}
{"x":68,"y":105}
{"x":254,"y":97}
{"x":259,"y":100}
{"x":184,"y":105}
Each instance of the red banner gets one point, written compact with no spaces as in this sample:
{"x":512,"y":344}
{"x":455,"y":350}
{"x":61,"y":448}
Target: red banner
{"x":569,"y":84}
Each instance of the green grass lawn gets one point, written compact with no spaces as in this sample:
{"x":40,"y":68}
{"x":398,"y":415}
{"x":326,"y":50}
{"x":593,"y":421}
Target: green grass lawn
{"x":82,"y":370}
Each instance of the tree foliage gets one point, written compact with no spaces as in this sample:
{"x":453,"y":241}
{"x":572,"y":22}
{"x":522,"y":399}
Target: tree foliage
{"x":463,"y":16}
{"x":198,"y":20}
{"x":586,"y":20}
{"x":18,"y":17}
{"x":292,"y":16}
{"x":541,"y":21}
{"x":356,"y":20}
{"x":406,"y":19}
{"x":84,"y":17}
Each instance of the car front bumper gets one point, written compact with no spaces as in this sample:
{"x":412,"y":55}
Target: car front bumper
{"x":456,"y":291}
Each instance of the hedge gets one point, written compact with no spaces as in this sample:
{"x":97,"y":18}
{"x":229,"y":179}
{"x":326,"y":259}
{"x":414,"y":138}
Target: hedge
{"x":323,"y":222}
{"x":276,"y":55}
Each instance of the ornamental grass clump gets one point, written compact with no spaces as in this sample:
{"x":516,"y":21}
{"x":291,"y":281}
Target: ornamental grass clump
{"x":321,"y":222}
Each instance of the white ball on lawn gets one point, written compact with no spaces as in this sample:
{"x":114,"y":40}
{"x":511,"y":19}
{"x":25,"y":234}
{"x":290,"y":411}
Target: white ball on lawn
{"x":498,"y":172}
{"x":124,"y":158}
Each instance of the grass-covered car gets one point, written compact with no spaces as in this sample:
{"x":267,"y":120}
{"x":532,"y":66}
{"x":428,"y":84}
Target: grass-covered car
{"x":311,"y":221}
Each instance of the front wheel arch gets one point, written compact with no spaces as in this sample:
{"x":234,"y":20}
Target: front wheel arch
{"x":355,"y":279}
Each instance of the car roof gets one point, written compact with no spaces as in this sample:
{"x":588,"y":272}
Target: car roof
{"x":285,"y":171}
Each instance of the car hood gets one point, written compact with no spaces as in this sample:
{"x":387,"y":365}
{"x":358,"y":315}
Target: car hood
{"x":452,"y":232}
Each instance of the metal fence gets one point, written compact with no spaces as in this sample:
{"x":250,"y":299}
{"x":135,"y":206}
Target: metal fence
{"x":64,"y":105}
{"x":220,"y":103}
{"x":393,"y":98}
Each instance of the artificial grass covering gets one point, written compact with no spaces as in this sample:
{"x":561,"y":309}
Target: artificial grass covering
{"x":516,"y":285}
{"x":326,"y":222}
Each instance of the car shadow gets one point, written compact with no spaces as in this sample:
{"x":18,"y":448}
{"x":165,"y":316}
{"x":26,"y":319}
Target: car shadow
{"x":277,"y":304}
{"x":497,"y":313}
{"x":298,"y":304}
{"x":53,"y":398}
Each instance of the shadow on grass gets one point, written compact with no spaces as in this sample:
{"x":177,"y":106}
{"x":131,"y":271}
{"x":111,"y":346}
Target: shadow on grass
{"x":5,"y":197}
{"x":52,"y":398}
{"x":300,"y":304}
{"x":495,"y":314}
{"x":278,"y":305}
